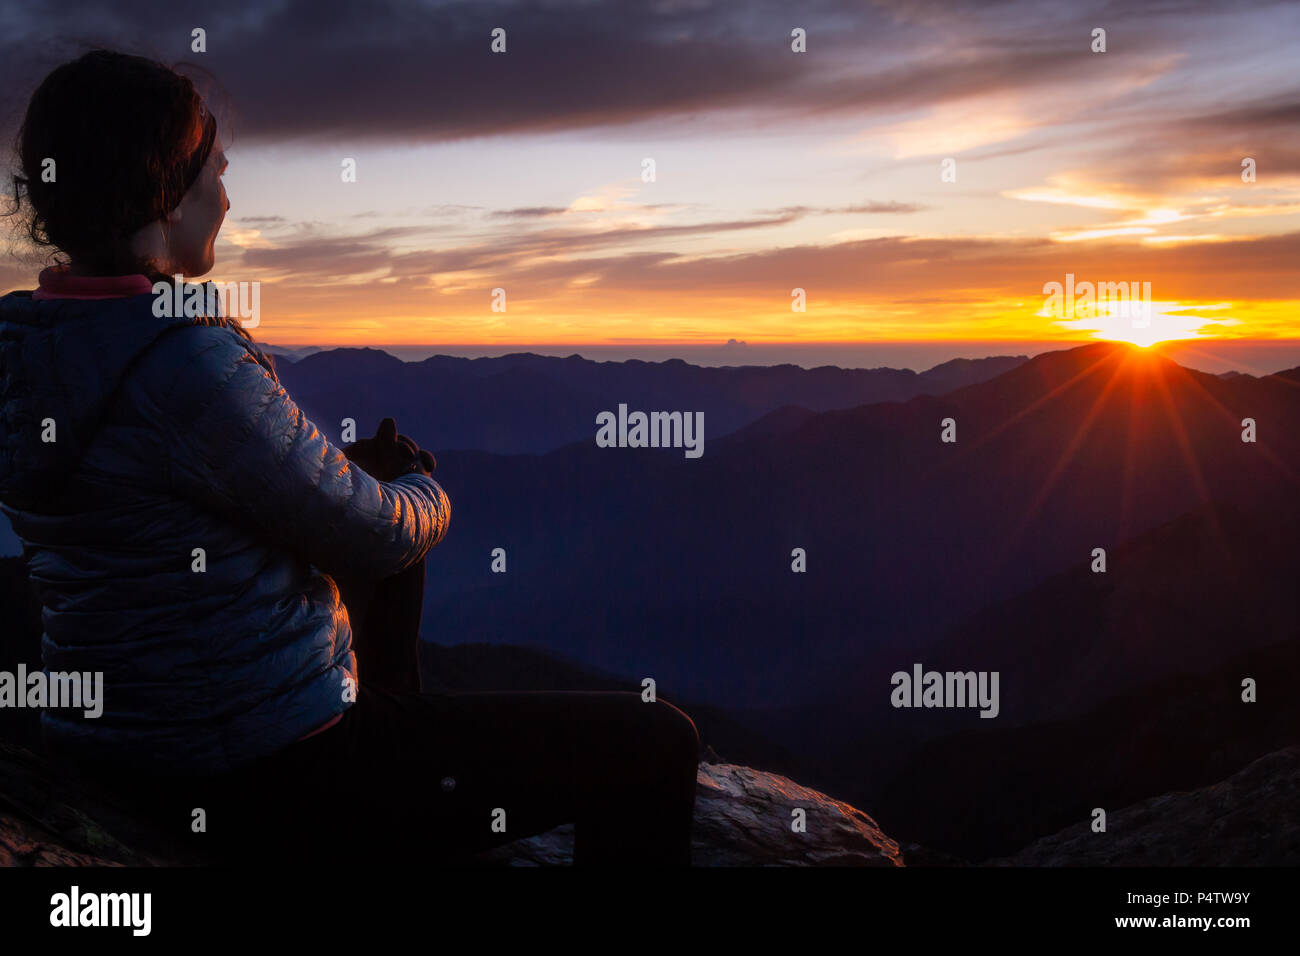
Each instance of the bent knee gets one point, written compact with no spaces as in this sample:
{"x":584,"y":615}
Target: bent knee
{"x":652,"y":729}
{"x":677,"y":732}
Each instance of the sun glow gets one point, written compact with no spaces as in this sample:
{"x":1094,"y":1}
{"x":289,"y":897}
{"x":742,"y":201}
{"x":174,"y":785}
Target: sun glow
{"x":1164,"y":323}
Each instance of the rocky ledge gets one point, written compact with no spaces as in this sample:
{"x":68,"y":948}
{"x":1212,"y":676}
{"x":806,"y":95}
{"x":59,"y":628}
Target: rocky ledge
{"x":1250,"y":819}
{"x":746,"y":817}
{"x":743,"y":817}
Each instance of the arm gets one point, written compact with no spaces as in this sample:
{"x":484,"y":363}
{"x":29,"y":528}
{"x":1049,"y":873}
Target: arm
{"x":240,"y":446}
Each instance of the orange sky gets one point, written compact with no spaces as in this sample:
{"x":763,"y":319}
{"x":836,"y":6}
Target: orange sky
{"x":772,"y":170}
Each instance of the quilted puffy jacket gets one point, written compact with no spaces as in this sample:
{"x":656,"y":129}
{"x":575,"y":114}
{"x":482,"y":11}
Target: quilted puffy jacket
{"x":171,"y":434}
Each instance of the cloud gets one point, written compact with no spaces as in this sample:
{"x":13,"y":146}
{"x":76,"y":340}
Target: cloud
{"x":530,"y":212}
{"x":896,"y":268}
{"x":880,"y":207}
{"x":334,"y":69}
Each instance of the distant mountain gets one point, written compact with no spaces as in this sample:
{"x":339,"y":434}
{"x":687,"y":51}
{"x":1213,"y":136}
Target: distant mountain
{"x":990,"y":791}
{"x":642,"y":561}
{"x":1250,"y":819}
{"x":529,"y":404}
{"x":1289,"y":375}
{"x":1114,"y":687}
{"x":1180,"y":599}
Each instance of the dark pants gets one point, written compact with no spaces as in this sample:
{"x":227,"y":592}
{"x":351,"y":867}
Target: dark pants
{"x":406,"y":776}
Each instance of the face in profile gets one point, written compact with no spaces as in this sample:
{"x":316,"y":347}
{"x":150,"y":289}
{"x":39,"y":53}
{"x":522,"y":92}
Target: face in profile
{"x":192,"y":233}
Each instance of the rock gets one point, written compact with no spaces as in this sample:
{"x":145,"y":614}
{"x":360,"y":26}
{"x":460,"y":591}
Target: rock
{"x":1250,"y":819}
{"x":916,"y":855}
{"x":743,"y":818}
{"x":48,"y":821}
{"x":552,"y":848}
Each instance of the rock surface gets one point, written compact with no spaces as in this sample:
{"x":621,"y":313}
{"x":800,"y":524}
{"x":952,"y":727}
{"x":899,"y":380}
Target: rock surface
{"x":47,"y":821}
{"x":743,"y":817}
{"x":1250,"y":819}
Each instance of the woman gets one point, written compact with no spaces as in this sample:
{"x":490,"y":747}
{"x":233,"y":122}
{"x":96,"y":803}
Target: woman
{"x":186,"y":525}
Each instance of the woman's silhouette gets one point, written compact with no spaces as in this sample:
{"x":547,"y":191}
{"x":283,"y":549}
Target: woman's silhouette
{"x":187,"y":528}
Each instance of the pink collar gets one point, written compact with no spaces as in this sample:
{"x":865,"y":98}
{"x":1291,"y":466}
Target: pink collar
{"x":57,"y":283}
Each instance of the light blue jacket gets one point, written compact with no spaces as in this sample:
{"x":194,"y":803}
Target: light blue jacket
{"x":171,"y":435}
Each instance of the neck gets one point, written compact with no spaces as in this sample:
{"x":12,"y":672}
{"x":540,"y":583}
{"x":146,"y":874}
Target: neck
{"x":149,"y":247}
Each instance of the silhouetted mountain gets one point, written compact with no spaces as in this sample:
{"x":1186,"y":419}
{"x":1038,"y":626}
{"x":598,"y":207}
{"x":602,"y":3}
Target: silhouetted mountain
{"x":1289,"y":375}
{"x":526,"y":403}
{"x":1132,"y":679}
{"x":772,"y":425}
{"x":1250,"y":819}
{"x":1177,"y":600}
{"x":642,"y":561}
{"x":991,"y":791}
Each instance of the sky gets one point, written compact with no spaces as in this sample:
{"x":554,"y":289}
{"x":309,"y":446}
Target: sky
{"x":524,"y":170}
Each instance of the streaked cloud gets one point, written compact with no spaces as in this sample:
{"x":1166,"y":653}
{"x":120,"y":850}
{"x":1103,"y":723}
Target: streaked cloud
{"x":776,"y":170}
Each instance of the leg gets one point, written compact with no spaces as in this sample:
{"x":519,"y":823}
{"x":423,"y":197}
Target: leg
{"x":378,"y":786}
{"x":385,"y":618}
{"x":622,"y":770}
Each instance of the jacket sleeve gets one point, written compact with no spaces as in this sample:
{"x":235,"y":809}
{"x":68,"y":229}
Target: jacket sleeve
{"x":239,"y":445}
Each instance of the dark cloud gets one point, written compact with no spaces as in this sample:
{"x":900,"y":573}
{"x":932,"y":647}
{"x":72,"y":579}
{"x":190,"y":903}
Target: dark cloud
{"x":891,"y":206}
{"x":1160,"y":155}
{"x":881,"y":207}
{"x":530,"y":212}
{"x":903,"y":267}
{"x":340,"y":70}
{"x":899,"y":268}
{"x":547,"y":212}
{"x":310,"y":253}
{"x":322,"y":256}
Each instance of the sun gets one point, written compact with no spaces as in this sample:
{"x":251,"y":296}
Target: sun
{"x":1141,"y":327}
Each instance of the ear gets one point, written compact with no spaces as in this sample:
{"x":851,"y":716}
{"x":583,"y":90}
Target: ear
{"x":387,"y":430}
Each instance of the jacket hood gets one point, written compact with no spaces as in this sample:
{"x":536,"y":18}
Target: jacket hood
{"x":62,"y":360}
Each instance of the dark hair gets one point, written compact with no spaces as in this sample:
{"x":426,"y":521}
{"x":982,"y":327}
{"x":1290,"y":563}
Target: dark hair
{"x":128,"y":136}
